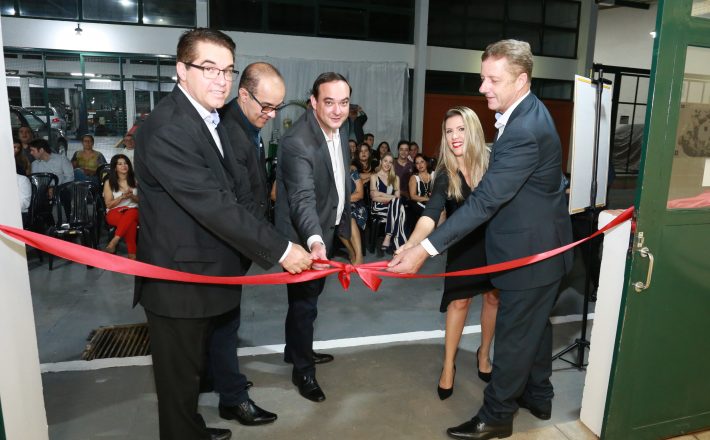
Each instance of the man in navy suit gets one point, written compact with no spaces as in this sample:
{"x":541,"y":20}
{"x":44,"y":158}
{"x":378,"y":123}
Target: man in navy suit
{"x":523,"y":200}
{"x":195,"y":217}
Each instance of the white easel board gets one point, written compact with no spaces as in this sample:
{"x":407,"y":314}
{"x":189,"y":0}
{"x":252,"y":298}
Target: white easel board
{"x":582,"y":151}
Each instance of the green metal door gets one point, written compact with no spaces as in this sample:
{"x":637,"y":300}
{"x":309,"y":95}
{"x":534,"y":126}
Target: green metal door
{"x":660,"y":379}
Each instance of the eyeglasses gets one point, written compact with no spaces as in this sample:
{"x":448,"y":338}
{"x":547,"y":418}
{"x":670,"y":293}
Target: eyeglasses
{"x":211,"y":72}
{"x":266,"y":108}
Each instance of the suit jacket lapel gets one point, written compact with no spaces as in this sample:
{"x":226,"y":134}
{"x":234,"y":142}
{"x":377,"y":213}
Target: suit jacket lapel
{"x":323,"y":152}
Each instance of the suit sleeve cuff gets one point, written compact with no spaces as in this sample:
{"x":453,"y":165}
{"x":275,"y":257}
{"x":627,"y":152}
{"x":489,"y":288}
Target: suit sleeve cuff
{"x":426,"y":244}
{"x":314,"y":239}
{"x":288,"y":249}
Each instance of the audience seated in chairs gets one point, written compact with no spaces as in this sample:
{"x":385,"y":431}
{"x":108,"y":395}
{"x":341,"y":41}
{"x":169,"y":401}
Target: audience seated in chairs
{"x":24,"y":188}
{"x":387,"y":206}
{"x":46,"y":162}
{"x":420,"y":184}
{"x":121,"y":199}
{"x":87,"y":160}
{"x":22,"y":163}
{"x":363,"y":163}
{"x":358,"y":219}
{"x":377,"y":155}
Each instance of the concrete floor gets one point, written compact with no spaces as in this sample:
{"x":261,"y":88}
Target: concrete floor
{"x":377,"y":388}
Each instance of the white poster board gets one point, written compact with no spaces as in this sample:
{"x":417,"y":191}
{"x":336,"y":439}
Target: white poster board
{"x":582,"y":151}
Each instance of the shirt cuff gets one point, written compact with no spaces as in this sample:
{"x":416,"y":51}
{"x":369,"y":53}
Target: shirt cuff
{"x":314,"y":239}
{"x":288,"y":249}
{"x":426,"y":244}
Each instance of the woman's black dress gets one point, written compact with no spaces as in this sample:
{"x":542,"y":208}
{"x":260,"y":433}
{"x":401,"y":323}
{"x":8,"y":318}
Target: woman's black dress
{"x":469,"y":252}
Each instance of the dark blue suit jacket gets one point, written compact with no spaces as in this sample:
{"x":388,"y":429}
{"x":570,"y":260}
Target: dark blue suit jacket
{"x":522,"y":197}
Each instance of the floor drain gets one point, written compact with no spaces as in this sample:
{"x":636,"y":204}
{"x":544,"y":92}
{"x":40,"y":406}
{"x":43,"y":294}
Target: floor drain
{"x":117,"y":341}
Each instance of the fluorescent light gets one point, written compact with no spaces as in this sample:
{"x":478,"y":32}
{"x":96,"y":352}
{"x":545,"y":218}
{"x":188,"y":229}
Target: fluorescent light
{"x":12,"y":77}
{"x":653,"y":34}
{"x":126,"y":3}
{"x":88,"y":75}
{"x":174,"y":78}
{"x":100,"y":80}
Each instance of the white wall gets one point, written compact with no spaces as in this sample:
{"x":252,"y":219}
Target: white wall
{"x":623,"y":37}
{"x":20,"y":380}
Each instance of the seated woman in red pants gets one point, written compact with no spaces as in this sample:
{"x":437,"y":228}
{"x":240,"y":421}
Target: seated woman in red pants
{"x":121,"y":198}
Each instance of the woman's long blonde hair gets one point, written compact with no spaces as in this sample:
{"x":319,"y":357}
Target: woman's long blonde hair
{"x":476,"y":152}
{"x":391,"y":176}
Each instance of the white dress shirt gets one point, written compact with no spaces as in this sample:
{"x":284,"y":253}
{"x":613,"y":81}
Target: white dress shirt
{"x":336,"y":155}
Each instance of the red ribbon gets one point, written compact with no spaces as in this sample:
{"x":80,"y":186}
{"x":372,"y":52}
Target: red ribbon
{"x":370,"y":273}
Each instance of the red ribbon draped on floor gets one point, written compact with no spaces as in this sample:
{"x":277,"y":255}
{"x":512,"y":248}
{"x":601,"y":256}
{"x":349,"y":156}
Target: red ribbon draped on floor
{"x":370,"y":273}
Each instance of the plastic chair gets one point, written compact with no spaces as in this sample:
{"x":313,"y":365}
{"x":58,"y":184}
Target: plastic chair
{"x":76,"y":214}
{"x":42,"y":203}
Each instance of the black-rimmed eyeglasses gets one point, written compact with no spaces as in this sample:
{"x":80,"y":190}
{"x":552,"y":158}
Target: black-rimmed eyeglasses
{"x":266,"y":108}
{"x":211,"y":72}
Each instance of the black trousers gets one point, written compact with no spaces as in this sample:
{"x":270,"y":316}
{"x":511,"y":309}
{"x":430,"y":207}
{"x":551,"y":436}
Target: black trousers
{"x":179,"y":347}
{"x":522,"y":360}
{"x":223,"y":363}
{"x":302,"y":313}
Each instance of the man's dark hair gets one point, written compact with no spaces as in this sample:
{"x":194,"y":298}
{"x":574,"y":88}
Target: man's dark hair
{"x":87,"y":135}
{"x":187,"y":46}
{"x":370,"y":135}
{"x":326,"y":78}
{"x":40,"y":144}
{"x":254,"y":72}
{"x":402,"y":141}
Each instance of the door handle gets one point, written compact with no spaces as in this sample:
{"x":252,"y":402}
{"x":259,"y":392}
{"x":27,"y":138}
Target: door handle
{"x":638,"y":285}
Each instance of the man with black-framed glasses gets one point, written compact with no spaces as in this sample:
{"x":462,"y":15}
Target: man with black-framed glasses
{"x":242,"y":119}
{"x":196,"y":216}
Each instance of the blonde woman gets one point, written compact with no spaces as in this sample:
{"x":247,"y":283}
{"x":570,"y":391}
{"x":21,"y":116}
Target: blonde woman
{"x":463,"y":159}
{"x":386,"y":204}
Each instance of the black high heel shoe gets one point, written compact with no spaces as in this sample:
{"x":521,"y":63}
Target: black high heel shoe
{"x":445,"y":393}
{"x":486,"y":377}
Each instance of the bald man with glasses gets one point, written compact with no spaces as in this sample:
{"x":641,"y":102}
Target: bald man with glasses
{"x":243,"y":118}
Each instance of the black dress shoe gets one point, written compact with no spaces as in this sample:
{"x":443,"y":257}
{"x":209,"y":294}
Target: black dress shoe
{"x":308,"y":387}
{"x":476,"y":429}
{"x":542,"y":412}
{"x":318,"y":358}
{"x":486,"y":377}
{"x":219,"y":434}
{"x":322,"y":358}
{"x":247,"y":413}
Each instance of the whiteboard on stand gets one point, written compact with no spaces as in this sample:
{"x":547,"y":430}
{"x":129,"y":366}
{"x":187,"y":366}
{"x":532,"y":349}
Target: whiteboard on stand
{"x":582,"y":151}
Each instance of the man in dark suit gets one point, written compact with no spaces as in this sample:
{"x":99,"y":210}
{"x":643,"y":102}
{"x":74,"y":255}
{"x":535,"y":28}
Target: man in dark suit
{"x":311,"y":208}
{"x":194,"y":218}
{"x":260,"y":95}
{"x":524,"y":202}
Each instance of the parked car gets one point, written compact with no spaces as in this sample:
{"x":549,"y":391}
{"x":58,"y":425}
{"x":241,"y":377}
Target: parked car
{"x":20,"y":116}
{"x":55,"y":117}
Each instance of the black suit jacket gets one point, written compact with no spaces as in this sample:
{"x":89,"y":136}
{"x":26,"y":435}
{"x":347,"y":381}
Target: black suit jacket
{"x":306,"y":197}
{"x":246,"y":154}
{"x":522,"y":195}
{"x":193,"y":213}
